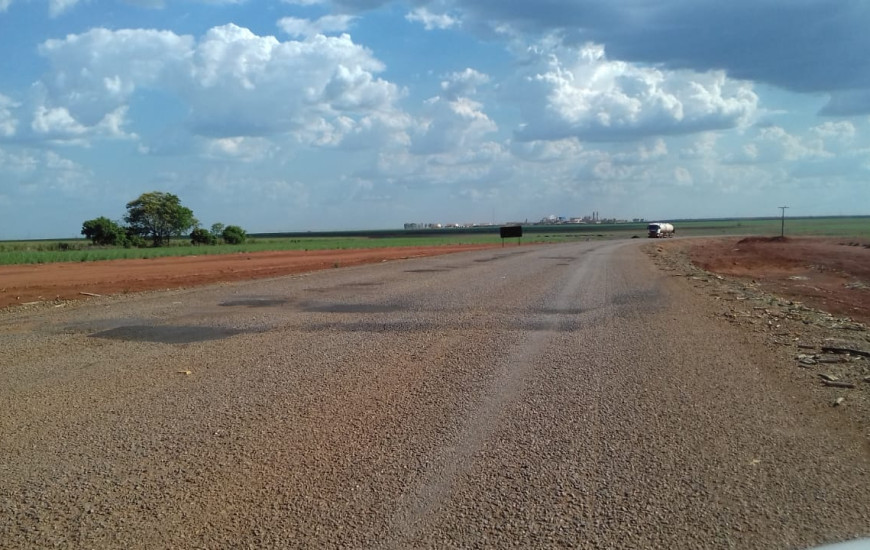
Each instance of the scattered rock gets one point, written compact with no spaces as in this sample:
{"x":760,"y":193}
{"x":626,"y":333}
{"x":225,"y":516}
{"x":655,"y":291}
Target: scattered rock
{"x":832,"y":358}
{"x":842,"y":346}
{"x":857,"y":285}
{"x":837,"y":384}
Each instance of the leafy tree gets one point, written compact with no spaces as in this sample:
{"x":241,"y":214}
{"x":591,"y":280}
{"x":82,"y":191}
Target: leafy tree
{"x":202,"y":236}
{"x":158,"y":216}
{"x":104,"y":231}
{"x":217,"y":229}
{"x":233,"y":234}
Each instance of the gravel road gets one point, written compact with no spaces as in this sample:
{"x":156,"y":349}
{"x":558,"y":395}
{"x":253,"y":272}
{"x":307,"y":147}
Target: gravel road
{"x":532,"y":397}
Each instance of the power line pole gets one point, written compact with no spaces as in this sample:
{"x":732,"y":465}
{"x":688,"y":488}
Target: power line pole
{"x":782,"y":230}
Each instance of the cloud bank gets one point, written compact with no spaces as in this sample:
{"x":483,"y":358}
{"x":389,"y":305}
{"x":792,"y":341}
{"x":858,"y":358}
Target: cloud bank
{"x":232,"y":82}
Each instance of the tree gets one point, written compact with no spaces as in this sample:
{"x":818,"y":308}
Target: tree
{"x":217,"y":229}
{"x":159,"y":216}
{"x":103,"y":231}
{"x":233,"y":234}
{"x":202,"y":236}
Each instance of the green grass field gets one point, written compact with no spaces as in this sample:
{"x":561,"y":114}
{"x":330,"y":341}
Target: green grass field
{"x":847,"y":227}
{"x":80,"y":250}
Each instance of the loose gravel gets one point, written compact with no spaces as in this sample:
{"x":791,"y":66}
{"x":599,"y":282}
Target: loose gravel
{"x":531,"y":397}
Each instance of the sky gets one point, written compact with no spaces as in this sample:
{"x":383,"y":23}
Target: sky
{"x":318,"y":115}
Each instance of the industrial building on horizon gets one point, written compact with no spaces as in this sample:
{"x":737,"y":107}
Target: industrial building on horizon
{"x":594,"y":218}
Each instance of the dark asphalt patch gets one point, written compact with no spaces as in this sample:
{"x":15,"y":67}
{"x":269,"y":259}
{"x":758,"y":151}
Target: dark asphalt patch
{"x":650,"y":296}
{"x":567,"y":311}
{"x":256,"y":302}
{"x":545,"y":326}
{"x":167,"y":334}
{"x":494,"y":258}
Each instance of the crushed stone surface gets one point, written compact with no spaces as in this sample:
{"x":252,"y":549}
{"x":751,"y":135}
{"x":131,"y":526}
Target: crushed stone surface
{"x":585,"y":395}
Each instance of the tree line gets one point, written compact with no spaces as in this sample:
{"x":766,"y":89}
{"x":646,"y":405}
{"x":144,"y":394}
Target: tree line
{"x":158,"y":217}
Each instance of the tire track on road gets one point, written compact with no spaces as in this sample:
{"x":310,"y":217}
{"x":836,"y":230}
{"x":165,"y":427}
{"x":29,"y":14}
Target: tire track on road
{"x":419,"y":507}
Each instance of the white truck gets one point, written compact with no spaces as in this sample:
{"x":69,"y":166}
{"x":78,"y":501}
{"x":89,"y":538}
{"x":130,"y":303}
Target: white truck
{"x":659,"y":230}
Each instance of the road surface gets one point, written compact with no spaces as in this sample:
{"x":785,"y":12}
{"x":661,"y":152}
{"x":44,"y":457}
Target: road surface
{"x":532,"y":397}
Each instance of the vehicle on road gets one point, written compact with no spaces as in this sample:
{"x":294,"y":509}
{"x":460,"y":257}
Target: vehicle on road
{"x":660,"y":230}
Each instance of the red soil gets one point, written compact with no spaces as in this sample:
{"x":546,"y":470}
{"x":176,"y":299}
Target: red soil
{"x":20,"y":284}
{"x":829,"y":274}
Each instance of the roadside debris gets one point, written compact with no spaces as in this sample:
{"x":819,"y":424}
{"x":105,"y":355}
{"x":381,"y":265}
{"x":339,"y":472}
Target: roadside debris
{"x":840,"y":346}
{"x":838,"y":384}
{"x":812,"y":338}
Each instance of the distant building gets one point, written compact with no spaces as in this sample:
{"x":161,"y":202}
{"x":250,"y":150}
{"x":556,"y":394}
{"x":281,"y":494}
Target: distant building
{"x":413,"y":226}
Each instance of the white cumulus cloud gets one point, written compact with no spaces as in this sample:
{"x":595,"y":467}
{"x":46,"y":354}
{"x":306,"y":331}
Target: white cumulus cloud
{"x":325,"y":25}
{"x":8,"y":121}
{"x":244,"y":149}
{"x":432,"y":21}
{"x":774,"y":144}
{"x":58,"y":7}
{"x":96,"y":72}
{"x":843,"y":131}
{"x":34,"y":171}
{"x":463,"y":83}
{"x":579,"y":92}
{"x":234,"y":83}
{"x":57,"y":124}
{"x":547,"y":151}
{"x":454,"y":125}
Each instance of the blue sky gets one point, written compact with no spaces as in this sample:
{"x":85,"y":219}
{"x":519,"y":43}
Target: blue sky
{"x":335,"y":114}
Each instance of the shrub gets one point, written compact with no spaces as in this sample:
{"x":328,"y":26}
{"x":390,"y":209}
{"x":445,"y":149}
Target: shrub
{"x":233,"y":234}
{"x":103,"y":231}
{"x":202,"y":236}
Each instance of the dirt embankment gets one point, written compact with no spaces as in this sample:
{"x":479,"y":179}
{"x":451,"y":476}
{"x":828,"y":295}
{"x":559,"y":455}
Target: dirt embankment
{"x":829,"y":274}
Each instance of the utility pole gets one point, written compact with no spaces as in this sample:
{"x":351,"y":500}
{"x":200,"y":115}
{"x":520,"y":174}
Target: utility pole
{"x":782,"y":230}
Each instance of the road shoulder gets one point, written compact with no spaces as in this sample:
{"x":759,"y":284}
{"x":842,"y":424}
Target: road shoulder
{"x":820,"y":353}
